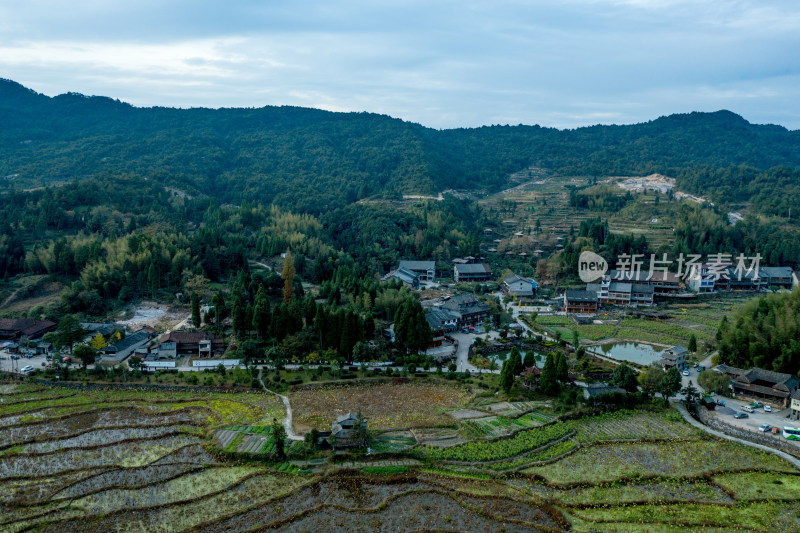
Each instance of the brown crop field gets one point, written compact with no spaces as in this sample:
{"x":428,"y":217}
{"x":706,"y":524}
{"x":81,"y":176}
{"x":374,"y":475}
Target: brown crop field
{"x":394,"y":405}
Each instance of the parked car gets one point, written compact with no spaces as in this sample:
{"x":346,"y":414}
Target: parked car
{"x":740,"y":415}
{"x":767,"y":409}
{"x":765,"y":428}
{"x":701,"y":368}
{"x":685,"y":372}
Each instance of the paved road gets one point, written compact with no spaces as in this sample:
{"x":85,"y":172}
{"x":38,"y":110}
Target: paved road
{"x":465,"y":340}
{"x":7,"y":364}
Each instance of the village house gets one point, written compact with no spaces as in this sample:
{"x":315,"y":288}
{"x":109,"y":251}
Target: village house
{"x":514,"y":285}
{"x":408,"y":277}
{"x":795,"y":404}
{"x":772,"y":387}
{"x":348,"y":431}
{"x":426,"y":270}
{"x":199,"y":343}
{"x":467,"y":308}
{"x":674,"y":357}
{"x":701,"y":280}
{"x":16,"y":328}
{"x":662,"y":282}
{"x":776,"y":277}
{"x":474,"y":272}
{"x":119,"y":351}
{"x":743,"y":280}
{"x":580,"y":302}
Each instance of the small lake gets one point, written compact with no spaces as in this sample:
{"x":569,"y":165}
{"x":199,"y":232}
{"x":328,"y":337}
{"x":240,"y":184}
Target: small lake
{"x":635,"y":352}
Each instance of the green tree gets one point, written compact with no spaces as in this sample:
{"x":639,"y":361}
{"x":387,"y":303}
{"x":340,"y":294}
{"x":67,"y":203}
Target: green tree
{"x":529,"y":361}
{"x":411,"y":329}
{"x":516,"y":361}
{"x":507,"y":376}
{"x":562,"y":371}
{"x":219,"y":307}
{"x":69,"y":331}
{"x":196,"y":309}
{"x":85,"y":353}
{"x":692,"y":346}
{"x":625,"y":377}
{"x":670,"y":384}
{"x":135,"y":362}
{"x":261,"y":314}
{"x":712,"y":381}
{"x":279,"y":439}
{"x":650,"y":378}
{"x":548,"y":381}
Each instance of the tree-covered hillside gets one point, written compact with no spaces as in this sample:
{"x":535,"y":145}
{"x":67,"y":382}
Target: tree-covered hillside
{"x":313,"y":161}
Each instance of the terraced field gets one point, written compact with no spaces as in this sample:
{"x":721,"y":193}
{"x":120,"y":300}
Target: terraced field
{"x":133,"y":462}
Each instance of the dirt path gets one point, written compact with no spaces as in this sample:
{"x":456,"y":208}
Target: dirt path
{"x":287,"y":420}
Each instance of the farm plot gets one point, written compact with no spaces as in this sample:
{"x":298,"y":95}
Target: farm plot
{"x":395,"y":441}
{"x":482,"y":451}
{"x":761,"y":485}
{"x":633,"y":425}
{"x":760,"y":516}
{"x":395,"y":405}
{"x":187,"y":487}
{"x":617,"y":493}
{"x":605,"y":463}
{"x":496,"y":426}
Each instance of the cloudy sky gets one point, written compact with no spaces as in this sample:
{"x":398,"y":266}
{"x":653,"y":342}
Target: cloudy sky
{"x":441,"y":63}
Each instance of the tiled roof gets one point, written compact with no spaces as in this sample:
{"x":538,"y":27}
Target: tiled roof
{"x":474,"y":268}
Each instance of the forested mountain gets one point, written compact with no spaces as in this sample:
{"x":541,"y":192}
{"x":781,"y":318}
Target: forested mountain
{"x":313,"y":161}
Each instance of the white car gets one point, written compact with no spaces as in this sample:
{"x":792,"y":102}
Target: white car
{"x":685,"y":372}
{"x":767,"y":409}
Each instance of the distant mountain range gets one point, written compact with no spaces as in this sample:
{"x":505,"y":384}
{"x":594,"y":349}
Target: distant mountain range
{"x":313,"y":160}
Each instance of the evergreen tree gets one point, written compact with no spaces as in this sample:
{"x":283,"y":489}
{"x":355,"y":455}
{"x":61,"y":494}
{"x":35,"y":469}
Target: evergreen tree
{"x":507,"y":376}
{"x":261,"y":314}
{"x":279,"y":439}
{"x":219,"y":307}
{"x":692,"y":346}
{"x":529,"y":361}
{"x":562,"y":372}
{"x":69,"y":331}
{"x":548,"y":382}
{"x":196,"y":309}
{"x":516,"y":361}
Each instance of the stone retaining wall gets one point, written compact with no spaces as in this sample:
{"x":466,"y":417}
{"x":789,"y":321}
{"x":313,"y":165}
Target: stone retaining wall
{"x":773,"y":441}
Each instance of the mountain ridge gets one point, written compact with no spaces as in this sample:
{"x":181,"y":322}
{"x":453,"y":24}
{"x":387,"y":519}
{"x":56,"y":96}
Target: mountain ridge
{"x":314,"y":160}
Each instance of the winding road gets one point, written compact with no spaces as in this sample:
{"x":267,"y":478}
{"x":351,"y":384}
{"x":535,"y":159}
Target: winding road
{"x":287,"y":420}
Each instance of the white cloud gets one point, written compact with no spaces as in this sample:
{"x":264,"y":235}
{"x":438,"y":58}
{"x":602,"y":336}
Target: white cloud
{"x":441,"y":64}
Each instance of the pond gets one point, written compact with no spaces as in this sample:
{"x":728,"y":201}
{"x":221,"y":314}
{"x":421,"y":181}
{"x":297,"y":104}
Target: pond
{"x":635,"y":352}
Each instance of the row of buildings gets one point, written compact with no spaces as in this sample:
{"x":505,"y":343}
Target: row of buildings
{"x":640,"y":289}
{"x":168,"y":346}
{"x":776,"y":388}
{"x":415,"y":273}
